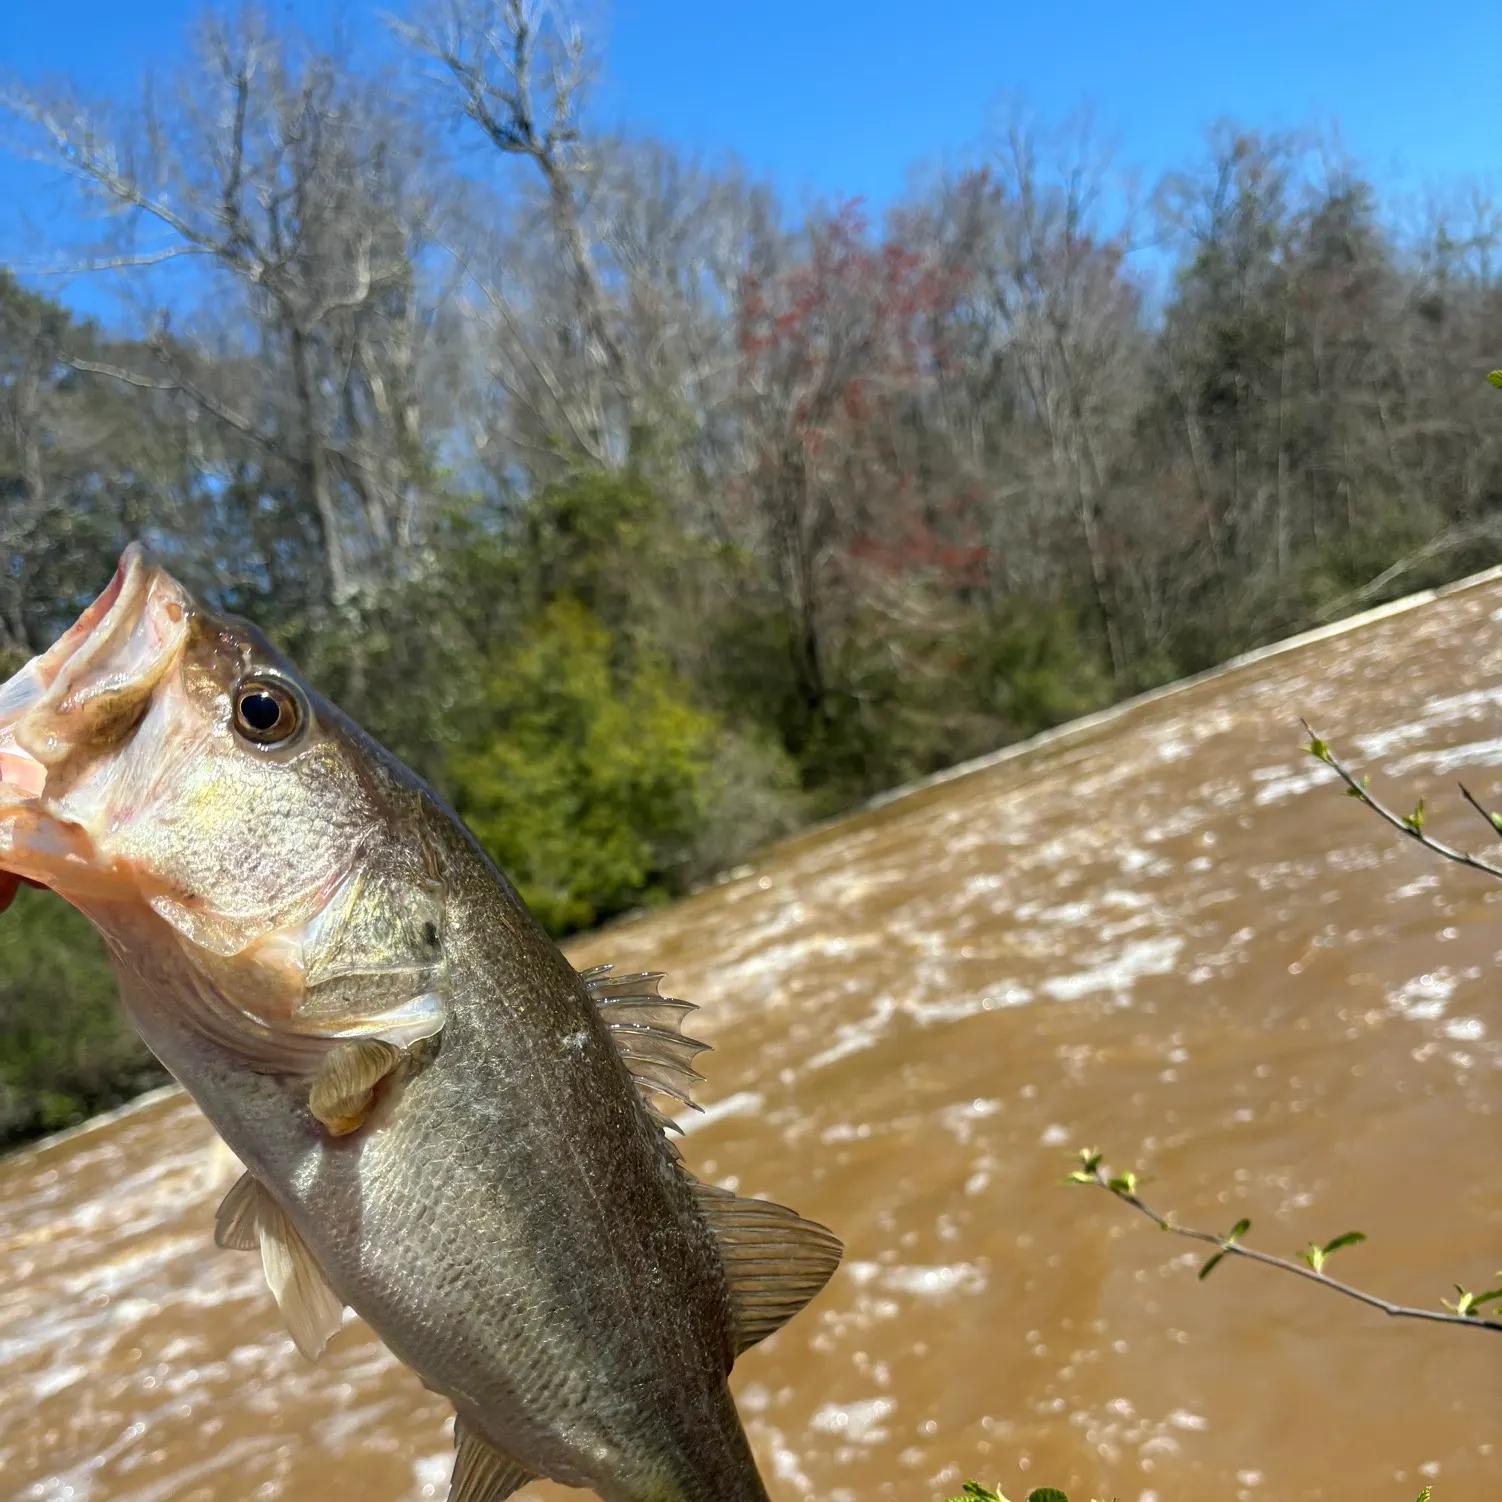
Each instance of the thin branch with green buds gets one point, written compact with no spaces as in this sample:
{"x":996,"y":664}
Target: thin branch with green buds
{"x":975,"y":1492}
{"x":1466,"y":1310}
{"x":1411,"y":824}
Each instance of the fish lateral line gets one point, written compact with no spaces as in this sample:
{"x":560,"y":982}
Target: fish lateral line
{"x":774,"y":1260}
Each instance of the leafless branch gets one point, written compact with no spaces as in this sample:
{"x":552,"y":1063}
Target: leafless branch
{"x":1492,"y":820}
{"x":1445,"y":542}
{"x":507,"y":316}
{"x":119,"y":373}
{"x":80,"y":150}
{"x":109,"y":263}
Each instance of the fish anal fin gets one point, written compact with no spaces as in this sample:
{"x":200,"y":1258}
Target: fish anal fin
{"x":343,"y":1090}
{"x":235,"y":1220}
{"x":775,"y":1261}
{"x":248,"y":1218}
{"x":647,"y":1029}
{"x":483,"y":1473}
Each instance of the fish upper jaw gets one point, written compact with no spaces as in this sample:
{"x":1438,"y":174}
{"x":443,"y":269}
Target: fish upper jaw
{"x":67,"y":704}
{"x":123,"y":789}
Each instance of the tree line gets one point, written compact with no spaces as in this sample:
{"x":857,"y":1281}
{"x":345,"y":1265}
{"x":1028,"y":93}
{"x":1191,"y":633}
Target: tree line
{"x":649,"y":517}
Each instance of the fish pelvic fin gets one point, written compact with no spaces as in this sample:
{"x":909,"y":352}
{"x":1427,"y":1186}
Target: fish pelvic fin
{"x":647,"y":1029}
{"x":249,"y":1218}
{"x":775,"y":1261}
{"x":483,"y":1473}
{"x":235,"y":1221}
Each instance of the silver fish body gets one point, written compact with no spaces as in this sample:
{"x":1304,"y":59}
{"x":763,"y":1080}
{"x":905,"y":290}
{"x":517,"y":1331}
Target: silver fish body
{"x":491,"y":1188}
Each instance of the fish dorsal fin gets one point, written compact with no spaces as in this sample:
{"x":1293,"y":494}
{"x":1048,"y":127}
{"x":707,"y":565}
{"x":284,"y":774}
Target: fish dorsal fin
{"x":482,"y":1473}
{"x":248,"y":1218}
{"x":647,"y":1028}
{"x":775,"y":1261}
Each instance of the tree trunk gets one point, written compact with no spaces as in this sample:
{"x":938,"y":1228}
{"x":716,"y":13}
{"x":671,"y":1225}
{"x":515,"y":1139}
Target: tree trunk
{"x":315,"y":467}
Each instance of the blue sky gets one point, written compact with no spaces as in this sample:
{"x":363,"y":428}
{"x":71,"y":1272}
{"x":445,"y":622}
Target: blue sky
{"x":843,"y":96}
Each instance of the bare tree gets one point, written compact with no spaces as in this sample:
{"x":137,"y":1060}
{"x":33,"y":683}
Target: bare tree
{"x":519,"y":71}
{"x":1042,"y":381}
{"x":294,"y":190}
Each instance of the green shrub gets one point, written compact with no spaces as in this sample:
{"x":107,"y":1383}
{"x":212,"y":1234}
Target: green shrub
{"x":66,"y":1049}
{"x":591,"y":781}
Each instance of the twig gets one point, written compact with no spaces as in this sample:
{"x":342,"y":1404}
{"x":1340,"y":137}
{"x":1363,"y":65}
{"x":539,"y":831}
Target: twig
{"x":1493,"y":821}
{"x":1124,"y":1188}
{"x":1443,"y":542}
{"x":107,"y":263}
{"x":1410,"y":824}
{"x":118,"y":373}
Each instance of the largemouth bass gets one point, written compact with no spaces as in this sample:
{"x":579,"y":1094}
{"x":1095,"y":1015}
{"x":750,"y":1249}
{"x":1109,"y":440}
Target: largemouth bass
{"x":444,"y":1126}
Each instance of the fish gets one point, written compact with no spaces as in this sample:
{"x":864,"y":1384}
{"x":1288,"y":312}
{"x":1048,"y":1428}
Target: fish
{"x":444,"y":1126}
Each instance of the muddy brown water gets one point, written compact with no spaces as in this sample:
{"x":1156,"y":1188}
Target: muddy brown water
{"x":1165,"y":934}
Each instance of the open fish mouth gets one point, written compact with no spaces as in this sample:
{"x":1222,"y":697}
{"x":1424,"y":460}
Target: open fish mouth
{"x":90,"y":684}
{"x":21,"y":772}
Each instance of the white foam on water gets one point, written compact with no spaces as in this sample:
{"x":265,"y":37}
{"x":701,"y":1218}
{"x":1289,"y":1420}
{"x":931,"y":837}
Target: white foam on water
{"x":785,"y":1462}
{"x":1296,"y":785}
{"x":854,"y":1037}
{"x":1470,"y":705}
{"x":1487,"y":753}
{"x":924,"y":1282}
{"x":1465,"y":1029}
{"x":430,"y":1475}
{"x":858,"y":1422}
{"x":1425,"y":997}
{"x":997,"y":998}
{"x":961,"y":1117}
{"x":1377,"y":744}
{"x":742,"y":1103}
{"x":1142,"y":958}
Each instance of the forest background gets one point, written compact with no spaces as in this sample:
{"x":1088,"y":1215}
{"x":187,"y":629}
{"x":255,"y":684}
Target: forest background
{"x":649,"y":516}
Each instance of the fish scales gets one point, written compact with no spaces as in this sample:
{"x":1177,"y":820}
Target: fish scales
{"x":441,"y":1128}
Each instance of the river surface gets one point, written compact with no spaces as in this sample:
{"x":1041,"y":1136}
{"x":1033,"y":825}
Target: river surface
{"x":1165,"y":934}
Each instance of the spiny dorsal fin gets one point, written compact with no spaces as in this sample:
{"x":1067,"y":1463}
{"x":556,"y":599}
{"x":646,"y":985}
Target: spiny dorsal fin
{"x":774,"y":1260}
{"x":483,"y":1473}
{"x":250,"y":1217}
{"x":647,"y":1029}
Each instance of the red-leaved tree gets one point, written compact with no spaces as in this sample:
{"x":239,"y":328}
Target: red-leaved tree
{"x":835,"y":352}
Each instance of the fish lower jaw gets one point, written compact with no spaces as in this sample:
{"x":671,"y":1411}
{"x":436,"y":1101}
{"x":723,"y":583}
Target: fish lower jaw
{"x":53,"y":852}
{"x":22,"y":776}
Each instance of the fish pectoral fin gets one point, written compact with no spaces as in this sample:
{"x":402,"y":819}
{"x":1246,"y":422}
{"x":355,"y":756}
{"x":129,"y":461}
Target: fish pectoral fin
{"x":248,"y":1218}
{"x":774,"y":1260}
{"x":235,"y":1220}
{"x":482,"y":1473}
{"x":343,"y":1090}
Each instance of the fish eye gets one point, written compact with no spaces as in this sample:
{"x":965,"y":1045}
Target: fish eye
{"x":265,"y":712}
